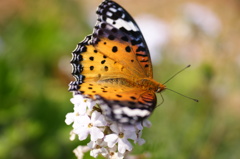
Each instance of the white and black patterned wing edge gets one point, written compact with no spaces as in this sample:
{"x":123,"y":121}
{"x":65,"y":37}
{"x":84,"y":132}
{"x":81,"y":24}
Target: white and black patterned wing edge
{"x":127,"y":112}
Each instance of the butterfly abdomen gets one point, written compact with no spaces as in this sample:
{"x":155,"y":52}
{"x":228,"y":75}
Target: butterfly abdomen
{"x":150,"y":85}
{"x":144,"y":84}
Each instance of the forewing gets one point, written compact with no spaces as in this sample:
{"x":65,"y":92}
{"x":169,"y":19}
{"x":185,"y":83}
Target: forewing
{"x":117,"y":36}
{"x":89,"y":66}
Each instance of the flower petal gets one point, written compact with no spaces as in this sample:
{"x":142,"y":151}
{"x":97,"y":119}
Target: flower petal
{"x":116,"y":155}
{"x":115,"y":128}
{"x":139,"y":126}
{"x":96,"y":134}
{"x":130,"y":135}
{"x":90,"y":103}
{"x":129,"y":128}
{"x":80,"y":109}
{"x":70,"y":118}
{"x":77,"y":99}
{"x":99,"y":120}
{"x":123,"y":145}
{"x":80,"y":150}
{"x":147,"y":123}
{"x":83,"y":120}
{"x":95,"y":152}
{"x":111,"y":139}
{"x":95,"y":116}
{"x":82,"y":133}
{"x":140,"y":141}
{"x":91,"y":144}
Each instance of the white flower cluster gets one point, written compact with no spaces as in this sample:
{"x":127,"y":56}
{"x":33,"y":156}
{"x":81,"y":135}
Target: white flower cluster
{"x":108,"y":139}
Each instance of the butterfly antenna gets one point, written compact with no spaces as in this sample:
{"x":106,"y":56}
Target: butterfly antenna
{"x":176,"y":74}
{"x":195,"y":100}
{"x":162,"y":100}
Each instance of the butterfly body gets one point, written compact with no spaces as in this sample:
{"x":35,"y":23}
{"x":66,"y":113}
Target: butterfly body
{"x":113,"y":67}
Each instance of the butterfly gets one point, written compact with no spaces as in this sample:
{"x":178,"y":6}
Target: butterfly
{"x":113,"y":67}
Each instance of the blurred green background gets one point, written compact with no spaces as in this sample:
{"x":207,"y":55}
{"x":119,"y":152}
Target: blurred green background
{"x":36,"y":40}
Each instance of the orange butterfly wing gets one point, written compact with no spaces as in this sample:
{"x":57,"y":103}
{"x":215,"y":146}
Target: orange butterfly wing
{"x":120,"y":102}
{"x":117,"y":35}
{"x":113,"y":66}
{"x":107,"y":81}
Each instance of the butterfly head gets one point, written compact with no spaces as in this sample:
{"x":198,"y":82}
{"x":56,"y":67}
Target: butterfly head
{"x":160,"y":88}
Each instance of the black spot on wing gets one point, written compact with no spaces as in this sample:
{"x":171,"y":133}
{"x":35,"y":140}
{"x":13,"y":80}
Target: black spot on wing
{"x":128,"y":49}
{"x":91,"y":58}
{"x":114,"y":49}
{"x":91,"y":68}
{"x":106,"y":68}
{"x":103,"y":61}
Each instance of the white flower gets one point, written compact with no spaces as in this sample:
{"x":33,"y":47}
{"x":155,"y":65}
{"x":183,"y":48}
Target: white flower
{"x":112,"y":154}
{"x":90,"y":103}
{"x":147,"y":123}
{"x":72,"y":136}
{"x":121,"y":137}
{"x":81,"y":103}
{"x":70,"y":118}
{"x":144,"y":123}
{"x":98,"y":147}
{"x":112,"y":144}
{"x":139,"y":127}
{"x":84,"y":126}
{"x":80,"y":150}
{"x":77,"y":99}
{"x":139,"y":140}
